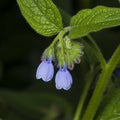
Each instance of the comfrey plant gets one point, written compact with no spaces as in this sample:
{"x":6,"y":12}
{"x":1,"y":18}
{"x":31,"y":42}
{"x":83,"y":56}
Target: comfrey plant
{"x":65,"y":52}
{"x":45,"y":70}
{"x":44,"y":17}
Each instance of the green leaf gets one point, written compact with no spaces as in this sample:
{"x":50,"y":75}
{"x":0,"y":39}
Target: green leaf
{"x":111,"y":107}
{"x":92,"y":20}
{"x":42,"y":15}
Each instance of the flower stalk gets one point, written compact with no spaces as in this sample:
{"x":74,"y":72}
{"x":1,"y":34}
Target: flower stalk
{"x":101,"y":85}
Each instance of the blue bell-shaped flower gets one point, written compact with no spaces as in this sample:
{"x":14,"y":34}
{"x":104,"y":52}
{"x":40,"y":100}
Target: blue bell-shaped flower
{"x":63,"y":79}
{"x":45,"y":70}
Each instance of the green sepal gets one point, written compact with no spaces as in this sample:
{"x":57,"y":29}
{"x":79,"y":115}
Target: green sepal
{"x":68,"y":52}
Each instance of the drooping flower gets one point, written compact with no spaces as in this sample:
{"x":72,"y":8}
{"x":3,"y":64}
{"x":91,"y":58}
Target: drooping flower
{"x":65,"y":53}
{"x":45,"y":70}
{"x":63,"y":79}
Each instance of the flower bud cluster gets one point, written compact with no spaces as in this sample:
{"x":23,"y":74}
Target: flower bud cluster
{"x":72,"y":51}
{"x":65,"y":53}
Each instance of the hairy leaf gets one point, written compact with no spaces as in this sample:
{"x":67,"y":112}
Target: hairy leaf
{"x":92,"y":20}
{"x":42,"y":15}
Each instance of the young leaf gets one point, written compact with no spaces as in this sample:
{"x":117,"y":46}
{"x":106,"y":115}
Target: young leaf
{"x":92,"y":20}
{"x":42,"y":15}
{"x":111,"y":107}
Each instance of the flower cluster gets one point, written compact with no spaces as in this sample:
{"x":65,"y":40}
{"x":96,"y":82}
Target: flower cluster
{"x":65,"y":53}
{"x":63,"y":77}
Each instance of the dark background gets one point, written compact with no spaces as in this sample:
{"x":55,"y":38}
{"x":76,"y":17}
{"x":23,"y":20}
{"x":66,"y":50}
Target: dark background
{"x":22,"y":97}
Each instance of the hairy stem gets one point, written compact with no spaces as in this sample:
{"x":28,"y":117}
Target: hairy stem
{"x":60,"y":35}
{"x":101,"y":85}
{"x":89,"y":78}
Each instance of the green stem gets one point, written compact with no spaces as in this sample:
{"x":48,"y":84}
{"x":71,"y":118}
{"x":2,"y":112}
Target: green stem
{"x":60,"y":36}
{"x":97,"y":52}
{"x":101,"y":85}
{"x":89,"y":78}
{"x":61,"y":43}
{"x":50,"y":50}
{"x":90,"y":75}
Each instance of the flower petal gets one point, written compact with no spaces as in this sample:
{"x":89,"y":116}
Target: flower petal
{"x":58,"y":80}
{"x":49,"y":74}
{"x":41,"y":69}
{"x":68,"y":80}
{"x":63,"y":79}
{"x":45,"y":70}
{"x":68,"y":75}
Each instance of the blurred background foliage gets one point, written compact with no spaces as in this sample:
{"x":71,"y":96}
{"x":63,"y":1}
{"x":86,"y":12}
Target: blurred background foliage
{"x":22,"y":97}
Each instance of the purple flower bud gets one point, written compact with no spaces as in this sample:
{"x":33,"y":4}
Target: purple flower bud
{"x":45,"y":70}
{"x":63,"y":79}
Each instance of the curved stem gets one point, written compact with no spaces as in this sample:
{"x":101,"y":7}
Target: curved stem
{"x":89,"y":78}
{"x":90,"y":75}
{"x":60,"y":35}
{"x":97,"y":52}
{"x":101,"y":85}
